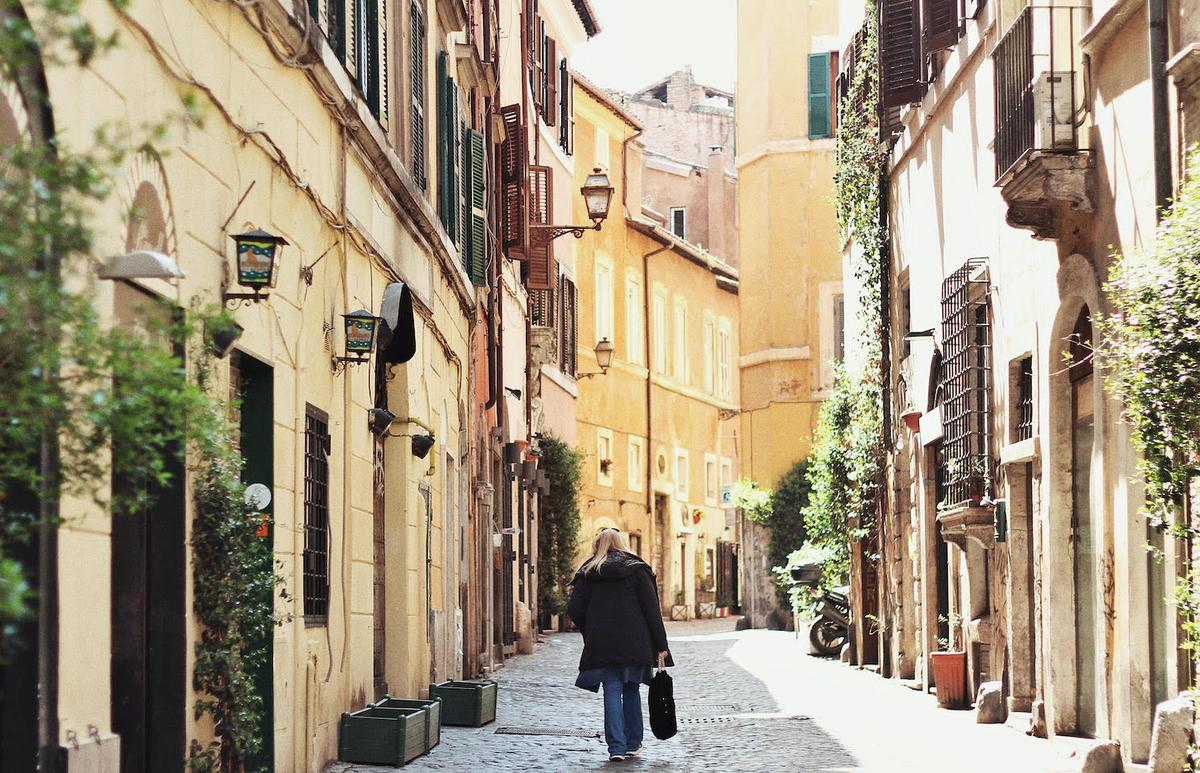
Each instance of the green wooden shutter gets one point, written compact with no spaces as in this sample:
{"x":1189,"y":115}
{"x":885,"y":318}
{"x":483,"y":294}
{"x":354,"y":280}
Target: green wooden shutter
{"x":475,"y":206}
{"x":819,"y":118}
{"x":456,"y":181}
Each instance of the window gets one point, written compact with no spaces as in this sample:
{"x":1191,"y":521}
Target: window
{"x":550,"y":108}
{"x":967,"y":383}
{"x":726,"y":472}
{"x":604,"y":460}
{"x":1024,"y":407}
{"x":710,"y":565}
{"x":370,"y":46}
{"x":635,"y":335}
{"x":710,"y":353}
{"x":449,"y":152}
{"x":659,"y":336}
{"x":316,"y":515}
{"x":820,"y":96}
{"x":681,"y":474}
{"x":604,"y":299}
{"x":416,"y":93}
{"x":724,"y":358}
{"x":680,"y":361}
{"x":602,"y":157}
{"x":905,"y":319}
{"x":711,"y":485}
{"x":567,"y":360}
{"x":637,"y":455}
{"x":679,"y":222}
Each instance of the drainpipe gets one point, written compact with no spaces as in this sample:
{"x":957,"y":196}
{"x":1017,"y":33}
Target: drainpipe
{"x":1159,"y":38}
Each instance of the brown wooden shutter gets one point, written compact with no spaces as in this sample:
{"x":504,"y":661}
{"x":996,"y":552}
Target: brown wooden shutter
{"x":898,"y":52}
{"x":550,"y":74}
{"x":941,"y":28}
{"x":541,"y":272}
{"x":513,"y":170}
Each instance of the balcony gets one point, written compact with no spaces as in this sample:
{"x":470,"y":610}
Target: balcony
{"x":1043,"y":167}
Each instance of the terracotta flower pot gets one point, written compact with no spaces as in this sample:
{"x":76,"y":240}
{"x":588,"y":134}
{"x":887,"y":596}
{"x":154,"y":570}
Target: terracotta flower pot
{"x":950,"y":677}
{"x":912,"y":419}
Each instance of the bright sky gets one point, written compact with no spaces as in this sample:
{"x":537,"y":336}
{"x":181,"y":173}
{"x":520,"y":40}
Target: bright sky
{"x":644,"y":40}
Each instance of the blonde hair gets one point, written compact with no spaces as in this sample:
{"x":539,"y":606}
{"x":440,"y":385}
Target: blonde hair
{"x":606,"y":541}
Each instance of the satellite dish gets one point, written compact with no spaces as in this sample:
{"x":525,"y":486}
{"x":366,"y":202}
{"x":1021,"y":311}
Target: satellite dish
{"x":257,"y":497}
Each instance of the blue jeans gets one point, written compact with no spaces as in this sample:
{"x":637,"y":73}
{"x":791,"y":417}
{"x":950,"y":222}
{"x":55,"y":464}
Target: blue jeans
{"x":622,"y":716}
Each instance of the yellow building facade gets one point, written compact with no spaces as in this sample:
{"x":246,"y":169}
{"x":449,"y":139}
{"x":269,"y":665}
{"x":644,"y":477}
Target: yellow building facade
{"x":790,"y":256}
{"x":658,"y":430}
{"x":302,"y":141}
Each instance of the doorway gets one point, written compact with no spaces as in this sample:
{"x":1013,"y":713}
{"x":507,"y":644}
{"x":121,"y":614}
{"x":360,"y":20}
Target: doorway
{"x":148,"y":625}
{"x":660,"y":550}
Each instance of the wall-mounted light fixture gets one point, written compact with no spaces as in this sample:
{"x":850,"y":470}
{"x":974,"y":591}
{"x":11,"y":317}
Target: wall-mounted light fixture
{"x":140,"y":264}
{"x":597,"y":196}
{"x":913,"y":335}
{"x":421,"y":444}
{"x":604,"y":357}
{"x":361,"y":327}
{"x":257,"y":265}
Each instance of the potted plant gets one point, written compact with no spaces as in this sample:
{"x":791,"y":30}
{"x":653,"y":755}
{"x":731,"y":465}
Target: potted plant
{"x":977,"y":479}
{"x":949,"y":667}
{"x":679,"y":610}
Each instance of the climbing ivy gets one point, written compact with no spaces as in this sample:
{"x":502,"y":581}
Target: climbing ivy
{"x":558,"y":528}
{"x":1151,"y":354}
{"x":846,"y":464}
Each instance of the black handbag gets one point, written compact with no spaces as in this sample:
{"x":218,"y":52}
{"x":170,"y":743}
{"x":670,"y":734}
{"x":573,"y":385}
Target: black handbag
{"x":662,"y":706}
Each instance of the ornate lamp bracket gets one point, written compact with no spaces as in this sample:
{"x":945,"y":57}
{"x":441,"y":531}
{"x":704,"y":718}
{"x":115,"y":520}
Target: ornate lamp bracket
{"x":541,"y":235}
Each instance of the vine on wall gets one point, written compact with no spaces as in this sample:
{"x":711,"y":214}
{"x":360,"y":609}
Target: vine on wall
{"x":1152,"y":356}
{"x":847,"y":458}
{"x":558,"y":529}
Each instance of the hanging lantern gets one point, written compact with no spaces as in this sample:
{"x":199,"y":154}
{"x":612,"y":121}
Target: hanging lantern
{"x":597,"y":195}
{"x":360,"y":334}
{"x":257,"y":258}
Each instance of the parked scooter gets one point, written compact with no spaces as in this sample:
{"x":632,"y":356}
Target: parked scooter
{"x":831,"y":630}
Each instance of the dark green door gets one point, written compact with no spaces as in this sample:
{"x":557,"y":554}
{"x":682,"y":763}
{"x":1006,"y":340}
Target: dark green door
{"x":253,"y":380}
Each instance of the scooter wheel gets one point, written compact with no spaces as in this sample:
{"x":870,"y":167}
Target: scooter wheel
{"x":827,"y":637}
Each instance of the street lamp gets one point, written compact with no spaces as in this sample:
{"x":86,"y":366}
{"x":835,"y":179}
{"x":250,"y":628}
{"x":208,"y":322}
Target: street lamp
{"x":604,"y":358}
{"x":597,"y":196}
{"x":257,"y":264}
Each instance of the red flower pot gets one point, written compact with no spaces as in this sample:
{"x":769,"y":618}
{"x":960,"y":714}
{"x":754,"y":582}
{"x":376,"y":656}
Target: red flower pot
{"x":950,"y":677}
{"x":912,"y":419}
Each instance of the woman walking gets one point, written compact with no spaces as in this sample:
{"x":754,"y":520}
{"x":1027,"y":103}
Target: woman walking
{"x":614,"y":604}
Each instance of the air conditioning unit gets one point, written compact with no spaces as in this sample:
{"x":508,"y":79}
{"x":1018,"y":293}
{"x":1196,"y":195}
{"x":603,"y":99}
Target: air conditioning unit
{"x":1054,"y":111}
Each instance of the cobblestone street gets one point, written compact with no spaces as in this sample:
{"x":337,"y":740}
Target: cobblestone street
{"x":747,"y":701}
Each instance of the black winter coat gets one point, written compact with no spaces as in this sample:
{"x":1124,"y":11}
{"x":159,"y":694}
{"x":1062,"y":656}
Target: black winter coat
{"x":617,"y":611}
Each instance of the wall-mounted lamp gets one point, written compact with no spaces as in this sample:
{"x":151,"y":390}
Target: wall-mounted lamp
{"x":257,"y":264}
{"x":379,"y":419}
{"x":421,"y":445}
{"x":604,"y":357}
{"x":361,"y":326}
{"x":514,"y":392}
{"x":915,"y":334}
{"x":597,"y":196}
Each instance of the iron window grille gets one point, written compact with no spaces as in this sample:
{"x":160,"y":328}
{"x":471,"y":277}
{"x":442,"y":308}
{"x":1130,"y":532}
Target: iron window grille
{"x":967,"y":385}
{"x":316,"y":515}
{"x":1040,"y":94}
{"x":1024,"y":429}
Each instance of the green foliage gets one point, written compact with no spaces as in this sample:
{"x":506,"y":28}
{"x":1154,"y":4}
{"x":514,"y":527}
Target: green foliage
{"x":754,"y":501}
{"x":808,"y":553}
{"x":787,"y":522}
{"x":558,"y":529}
{"x":84,"y":402}
{"x":844,"y":473}
{"x":1152,"y":356}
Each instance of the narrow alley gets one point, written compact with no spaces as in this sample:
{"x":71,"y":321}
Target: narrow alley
{"x":750,"y":700}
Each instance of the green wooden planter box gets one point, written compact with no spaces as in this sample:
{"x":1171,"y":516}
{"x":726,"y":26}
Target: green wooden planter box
{"x":433,"y":715}
{"x":382,"y":736}
{"x":466,"y":704}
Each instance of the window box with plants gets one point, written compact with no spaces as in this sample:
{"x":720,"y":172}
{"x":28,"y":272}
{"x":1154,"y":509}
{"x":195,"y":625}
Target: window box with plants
{"x":383,"y":736}
{"x":466,"y":703}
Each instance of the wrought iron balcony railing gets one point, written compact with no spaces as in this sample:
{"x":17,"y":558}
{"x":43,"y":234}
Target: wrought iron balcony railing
{"x":1040,"y":98}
